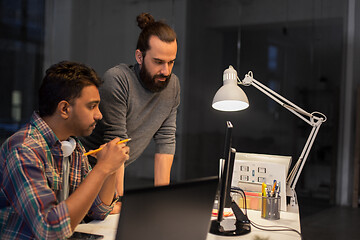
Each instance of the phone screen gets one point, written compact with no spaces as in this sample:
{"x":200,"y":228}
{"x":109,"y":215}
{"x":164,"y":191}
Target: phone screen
{"x":81,"y":235}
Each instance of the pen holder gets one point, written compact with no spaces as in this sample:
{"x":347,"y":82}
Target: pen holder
{"x":271,"y":208}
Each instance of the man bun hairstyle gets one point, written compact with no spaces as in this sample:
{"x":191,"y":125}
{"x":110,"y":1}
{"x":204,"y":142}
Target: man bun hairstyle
{"x":150,"y":27}
{"x":64,"y":81}
{"x":144,"y":19}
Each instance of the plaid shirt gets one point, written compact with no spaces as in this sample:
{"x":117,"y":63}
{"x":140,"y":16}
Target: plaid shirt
{"x":30,"y":179}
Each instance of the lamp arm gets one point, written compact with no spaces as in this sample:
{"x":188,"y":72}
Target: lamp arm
{"x":249,"y":80}
{"x":314,"y":121}
{"x":295,"y":172}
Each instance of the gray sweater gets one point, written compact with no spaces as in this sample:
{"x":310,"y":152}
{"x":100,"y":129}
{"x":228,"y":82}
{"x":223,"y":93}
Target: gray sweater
{"x":130,"y":110}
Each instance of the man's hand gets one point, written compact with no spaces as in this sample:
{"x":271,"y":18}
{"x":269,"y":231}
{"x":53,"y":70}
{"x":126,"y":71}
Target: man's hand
{"x":116,"y":209}
{"x":112,"y":156}
{"x":100,"y":181}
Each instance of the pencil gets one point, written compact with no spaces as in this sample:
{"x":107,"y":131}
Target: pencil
{"x":263,"y":190}
{"x":99,"y":149}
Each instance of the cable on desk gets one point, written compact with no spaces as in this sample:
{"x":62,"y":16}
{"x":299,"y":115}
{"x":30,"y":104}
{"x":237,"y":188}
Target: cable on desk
{"x":241,"y":192}
{"x":276,"y":228}
{"x":258,"y":226}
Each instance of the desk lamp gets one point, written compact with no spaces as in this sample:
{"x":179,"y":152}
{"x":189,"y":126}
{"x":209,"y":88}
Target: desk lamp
{"x":230,"y":97}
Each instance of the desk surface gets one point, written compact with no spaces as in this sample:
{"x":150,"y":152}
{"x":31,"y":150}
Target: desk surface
{"x":288,"y":219}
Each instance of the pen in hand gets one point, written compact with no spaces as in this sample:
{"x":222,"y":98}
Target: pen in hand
{"x":99,"y":149}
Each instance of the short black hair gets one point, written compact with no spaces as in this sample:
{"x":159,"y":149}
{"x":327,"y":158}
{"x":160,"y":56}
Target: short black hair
{"x":64,"y":81}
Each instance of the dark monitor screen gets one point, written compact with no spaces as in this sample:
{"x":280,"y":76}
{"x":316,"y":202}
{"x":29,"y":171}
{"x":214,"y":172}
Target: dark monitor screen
{"x":242,"y":223}
{"x":226,"y":172}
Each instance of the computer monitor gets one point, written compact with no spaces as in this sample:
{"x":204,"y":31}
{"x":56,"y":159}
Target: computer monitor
{"x":242,"y":224}
{"x":227,"y":166}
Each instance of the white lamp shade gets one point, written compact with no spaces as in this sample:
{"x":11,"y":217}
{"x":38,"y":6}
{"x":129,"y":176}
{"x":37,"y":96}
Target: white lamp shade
{"x":230,"y":97}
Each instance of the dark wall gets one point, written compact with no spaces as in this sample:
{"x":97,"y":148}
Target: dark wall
{"x":300,"y":60}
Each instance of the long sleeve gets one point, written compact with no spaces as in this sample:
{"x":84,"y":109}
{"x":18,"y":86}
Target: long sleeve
{"x":165,"y":137}
{"x":114,"y":104}
{"x":31,"y":178}
{"x":98,"y":210}
{"x":33,"y":201}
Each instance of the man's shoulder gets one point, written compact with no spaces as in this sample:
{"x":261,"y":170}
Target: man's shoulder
{"x":119,"y":69}
{"x":26,"y":136}
{"x":119,"y":74}
{"x":175,"y":81}
{"x":174,"y":76}
{"x":27,"y":139}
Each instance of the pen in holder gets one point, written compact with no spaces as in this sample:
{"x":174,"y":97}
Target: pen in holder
{"x":270,"y":207}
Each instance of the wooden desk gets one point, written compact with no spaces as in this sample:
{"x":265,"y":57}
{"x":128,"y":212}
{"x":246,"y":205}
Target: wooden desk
{"x":288,"y":219}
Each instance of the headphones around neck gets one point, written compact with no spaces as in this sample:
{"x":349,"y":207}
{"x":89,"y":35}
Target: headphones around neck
{"x":68,"y":146}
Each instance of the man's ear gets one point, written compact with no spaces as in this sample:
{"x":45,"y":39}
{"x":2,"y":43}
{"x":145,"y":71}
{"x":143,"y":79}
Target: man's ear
{"x":64,"y":109}
{"x":139,"y":57}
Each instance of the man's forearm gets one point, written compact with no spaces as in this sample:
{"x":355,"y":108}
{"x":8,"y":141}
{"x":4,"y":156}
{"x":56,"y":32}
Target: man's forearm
{"x":108,"y":190}
{"x":80,"y":201}
{"x":162,"y":168}
{"x":120,"y":180}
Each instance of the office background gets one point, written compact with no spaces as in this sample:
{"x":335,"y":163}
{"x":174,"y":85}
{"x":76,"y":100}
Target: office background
{"x":308,"y":51}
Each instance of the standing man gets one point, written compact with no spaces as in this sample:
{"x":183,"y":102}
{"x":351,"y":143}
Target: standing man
{"x":140,"y":101}
{"x":46,"y":183}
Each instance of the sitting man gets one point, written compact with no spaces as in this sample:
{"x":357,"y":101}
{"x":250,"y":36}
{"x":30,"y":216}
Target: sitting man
{"x":47,"y":186}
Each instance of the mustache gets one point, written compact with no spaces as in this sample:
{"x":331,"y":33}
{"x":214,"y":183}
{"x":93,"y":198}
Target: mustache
{"x":94,"y":123}
{"x":162,"y":76}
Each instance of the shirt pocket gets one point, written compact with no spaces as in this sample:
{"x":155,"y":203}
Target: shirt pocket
{"x":54,"y":178}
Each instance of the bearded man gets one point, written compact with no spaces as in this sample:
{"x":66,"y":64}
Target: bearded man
{"x":140,"y":101}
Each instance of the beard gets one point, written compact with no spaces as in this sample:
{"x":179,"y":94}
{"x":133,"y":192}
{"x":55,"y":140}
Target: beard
{"x":150,"y":82}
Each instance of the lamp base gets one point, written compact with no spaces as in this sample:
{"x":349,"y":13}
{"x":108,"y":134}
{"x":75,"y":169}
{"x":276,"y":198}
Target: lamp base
{"x":217,"y":229}
{"x":242,"y":224}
